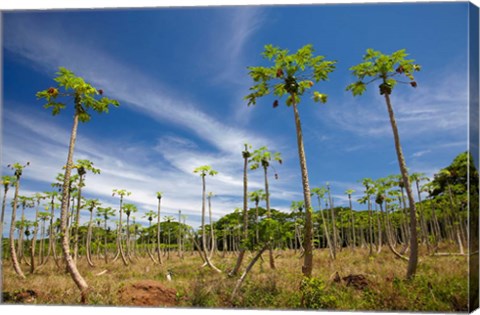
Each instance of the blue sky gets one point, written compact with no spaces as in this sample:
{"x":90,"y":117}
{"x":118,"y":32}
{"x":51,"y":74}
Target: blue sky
{"x":180,"y":75}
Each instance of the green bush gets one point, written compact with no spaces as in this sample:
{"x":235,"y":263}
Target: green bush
{"x":315,"y":294}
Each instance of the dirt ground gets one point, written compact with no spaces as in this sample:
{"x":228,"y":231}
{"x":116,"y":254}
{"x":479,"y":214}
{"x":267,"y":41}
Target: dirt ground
{"x":147,"y":293}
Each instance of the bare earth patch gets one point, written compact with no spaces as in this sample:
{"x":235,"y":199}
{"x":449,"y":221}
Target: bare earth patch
{"x":147,"y":293}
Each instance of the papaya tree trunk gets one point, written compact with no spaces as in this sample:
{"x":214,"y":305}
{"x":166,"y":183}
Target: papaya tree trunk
{"x":204,"y":236}
{"x":89,"y":241}
{"x":76,"y":224}
{"x":2,"y":217}
{"x":71,"y":266}
{"x":413,"y":258}
{"x":308,"y":240}
{"x":159,"y":249}
{"x":34,"y":241}
{"x":267,"y":201}
{"x":13,"y":253}
{"x":246,"y":155}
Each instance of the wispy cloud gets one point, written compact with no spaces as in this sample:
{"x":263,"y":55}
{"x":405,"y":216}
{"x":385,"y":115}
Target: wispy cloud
{"x":437,"y":106}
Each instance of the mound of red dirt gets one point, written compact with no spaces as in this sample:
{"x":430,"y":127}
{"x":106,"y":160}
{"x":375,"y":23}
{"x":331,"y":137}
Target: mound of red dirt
{"x":147,"y":293}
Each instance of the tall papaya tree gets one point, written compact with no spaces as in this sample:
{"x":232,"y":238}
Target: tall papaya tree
{"x":36,"y":198}
{"x":7,"y":181}
{"x":262,"y":157}
{"x":204,"y":171}
{"x":293,"y":75}
{"x":121,"y":193}
{"x":86,"y":99}
{"x":320,"y":193}
{"x":159,"y":249}
{"x":129,"y":208}
{"x":51,"y":231}
{"x":257,"y":196}
{"x":90,"y":204}
{"x":349,"y":193}
{"x":150,"y":215}
{"x":106,"y":213}
{"x":82,"y":166}
{"x":388,"y":69}
{"x":18,"y":171}
{"x":246,"y":154}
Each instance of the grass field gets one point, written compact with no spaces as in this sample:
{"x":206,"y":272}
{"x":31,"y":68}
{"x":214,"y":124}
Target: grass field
{"x":441,"y":283}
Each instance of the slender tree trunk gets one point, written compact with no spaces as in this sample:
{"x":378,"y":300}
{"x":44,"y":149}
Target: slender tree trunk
{"x":247,"y":270}
{"x":149,"y":252}
{"x":413,"y":258}
{"x":71,"y":266}
{"x":20,"y":236}
{"x":119,"y":234}
{"x":159,"y":249}
{"x":370,"y":230}
{"x":354,"y":240}
{"x":308,"y":258}
{"x":246,"y":155}
{"x":51,"y":231}
{"x":334,"y":225}
{"x":389,"y":243}
{"x":77,"y":220}
{"x":212,"y":234}
{"x":325,"y":230}
{"x":257,"y":232}
{"x":13,"y":253}
{"x":34,"y":241}
{"x":42,"y":242}
{"x":89,"y":241}
{"x":267,"y":200}
{"x":4,"y":202}
{"x":204,"y":236}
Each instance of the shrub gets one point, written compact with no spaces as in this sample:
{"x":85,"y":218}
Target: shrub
{"x":315,"y":294}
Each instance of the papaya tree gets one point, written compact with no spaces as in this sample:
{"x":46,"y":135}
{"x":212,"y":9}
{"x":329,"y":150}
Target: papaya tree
{"x":150,"y":215}
{"x":7,"y":182}
{"x":262,"y":157}
{"x":121,"y":193}
{"x":18,"y":171}
{"x":90,"y":204}
{"x":36,"y":198}
{"x":43,"y":216}
{"x":246,"y":156}
{"x":51,"y":231}
{"x":257,"y":196}
{"x":82,"y":166}
{"x":320,"y":193}
{"x":387,"y":70}
{"x":204,"y":171}
{"x":106,"y":213}
{"x":129,"y":209}
{"x":349,"y":193}
{"x":293,"y":75}
{"x":86,"y":98}
{"x":159,"y":249}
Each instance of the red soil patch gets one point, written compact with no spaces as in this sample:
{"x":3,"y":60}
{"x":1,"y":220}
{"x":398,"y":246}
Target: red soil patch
{"x":147,"y":293}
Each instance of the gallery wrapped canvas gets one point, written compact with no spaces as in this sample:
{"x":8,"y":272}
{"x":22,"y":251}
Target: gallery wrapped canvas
{"x":300,"y":156}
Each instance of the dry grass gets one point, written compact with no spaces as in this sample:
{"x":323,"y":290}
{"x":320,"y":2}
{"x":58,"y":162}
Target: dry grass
{"x":440,"y":284}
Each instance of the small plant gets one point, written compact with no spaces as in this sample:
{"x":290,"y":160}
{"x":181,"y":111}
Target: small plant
{"x":315,"y":295}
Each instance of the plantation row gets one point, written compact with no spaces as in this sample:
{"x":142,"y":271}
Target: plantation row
{"x":395,"y":217}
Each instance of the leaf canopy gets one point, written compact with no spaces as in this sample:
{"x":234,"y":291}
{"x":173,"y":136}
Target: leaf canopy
{"x":292,"y":74}
{"x":86,"y":97}
{"x":379,"y":66}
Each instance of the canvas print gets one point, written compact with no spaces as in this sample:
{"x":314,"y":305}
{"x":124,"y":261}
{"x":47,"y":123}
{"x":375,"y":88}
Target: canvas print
{"x":288,"y":157}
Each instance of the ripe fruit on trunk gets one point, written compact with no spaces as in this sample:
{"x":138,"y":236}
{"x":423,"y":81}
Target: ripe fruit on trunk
{"x":275,"y":103}
{"x":100,"y":92}
{"x":413,"y":84}
{"x":279,"y":73}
